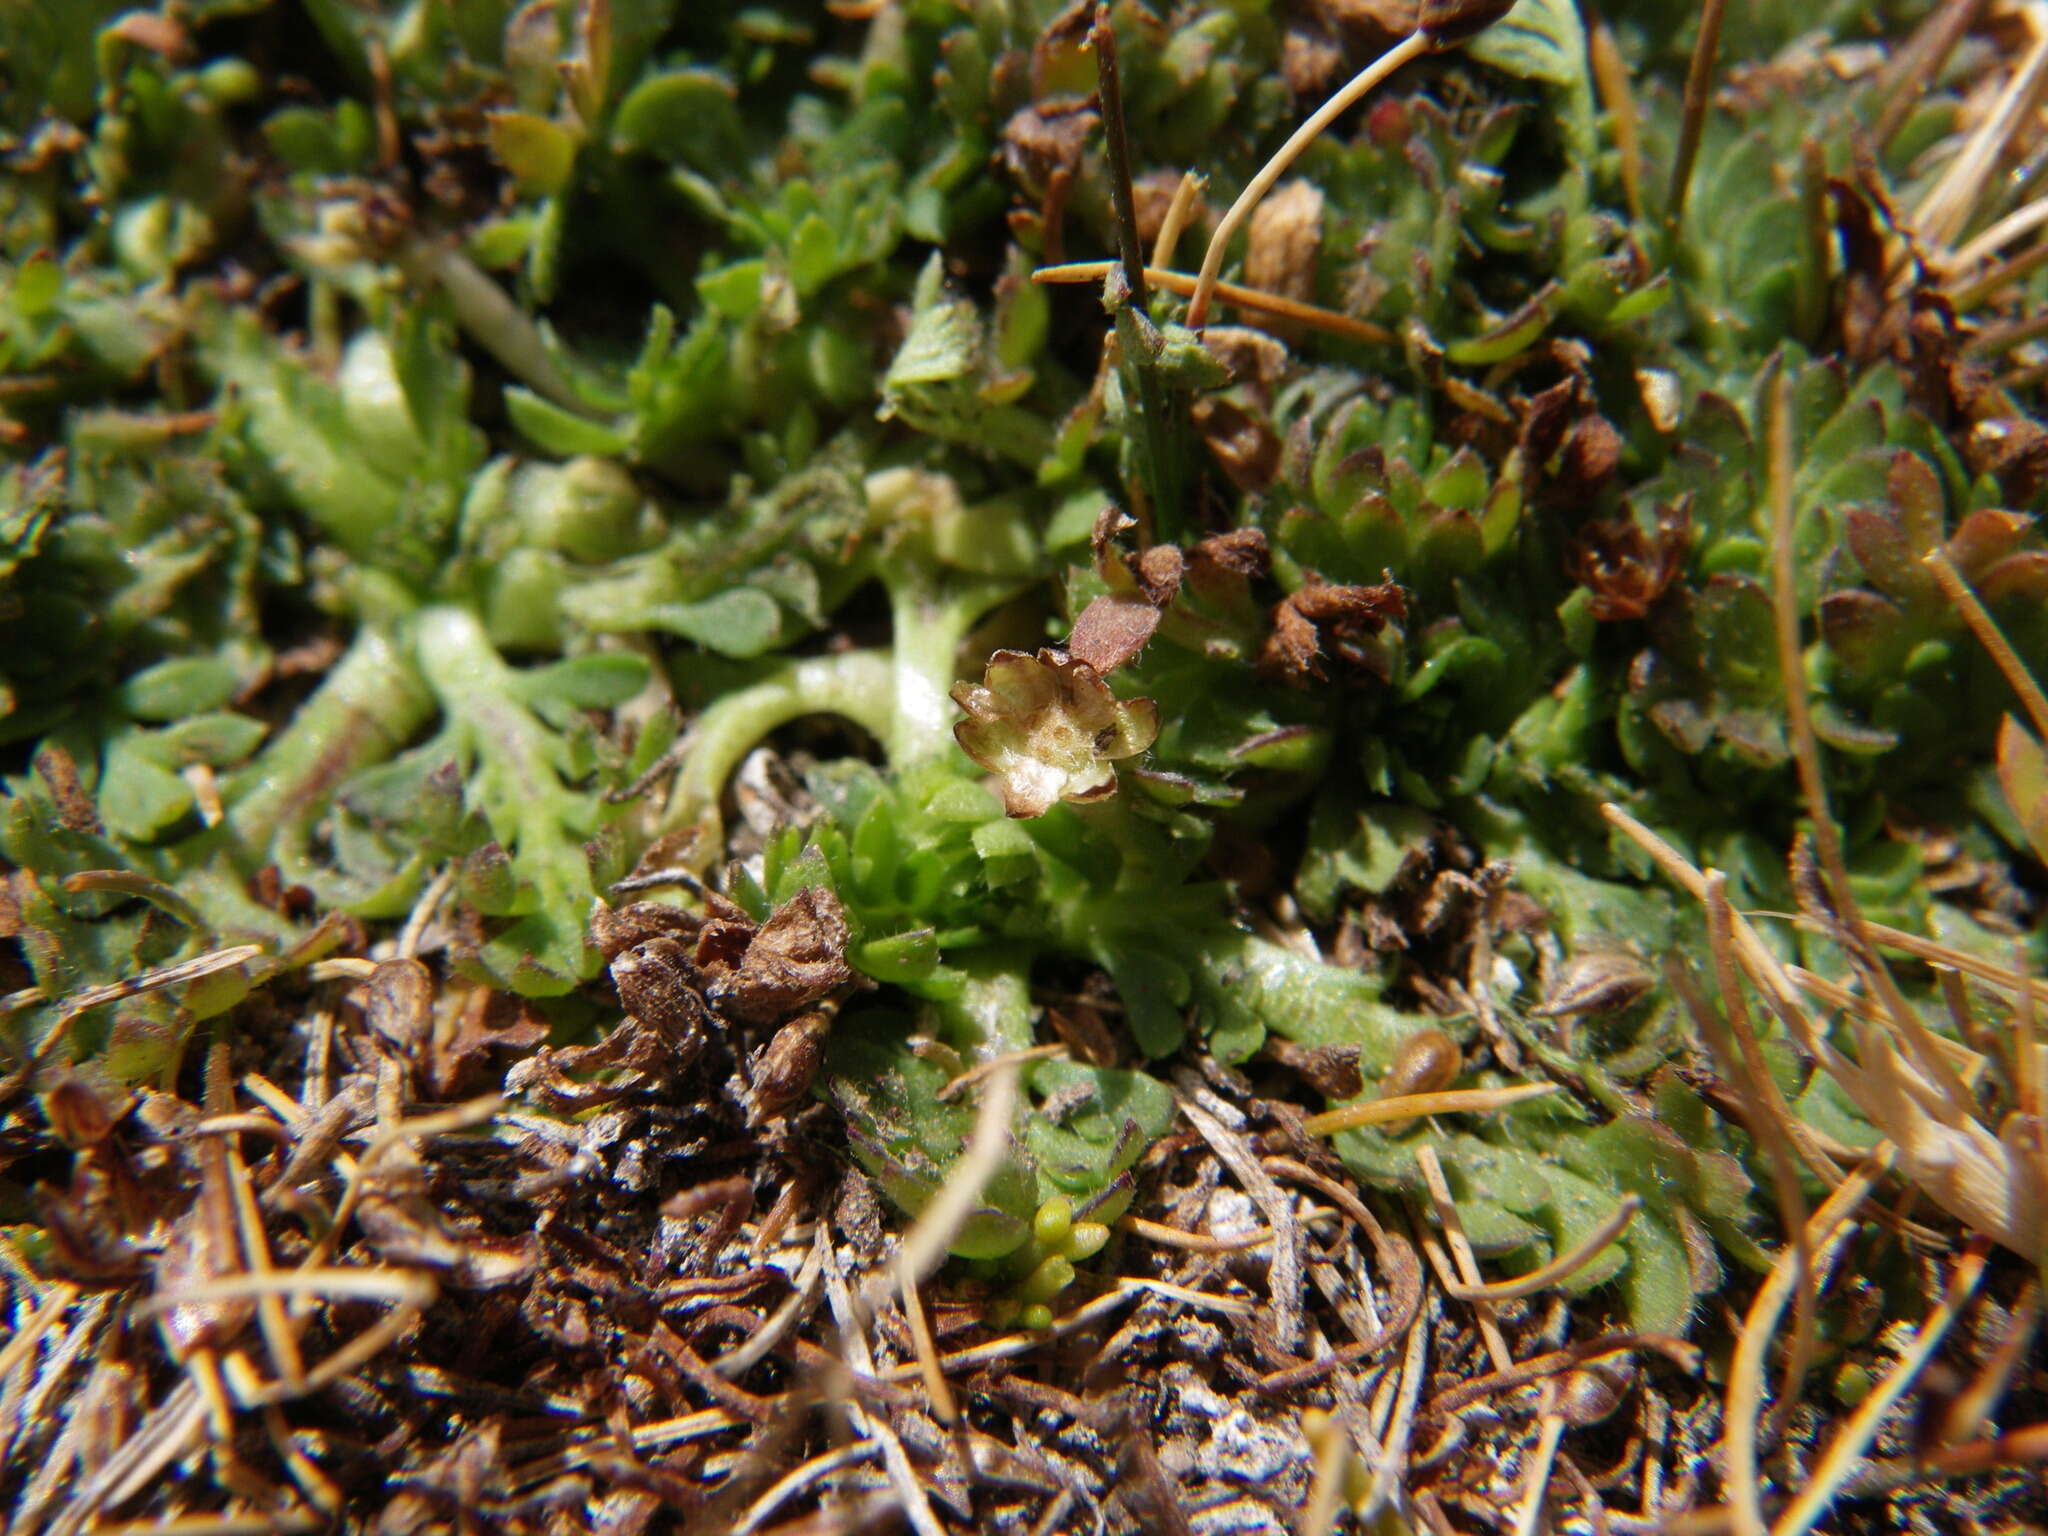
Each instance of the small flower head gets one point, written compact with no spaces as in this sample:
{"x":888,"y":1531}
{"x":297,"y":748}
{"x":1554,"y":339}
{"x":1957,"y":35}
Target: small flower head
{"x":1050,"y":729}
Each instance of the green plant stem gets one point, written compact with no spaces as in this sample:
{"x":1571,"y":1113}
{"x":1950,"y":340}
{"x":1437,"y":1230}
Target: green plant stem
{"x":1109,"y":87}
{"x":516,"y":779}
{"x":367,"y":708}
{"x":929,"y":623}
{"x":859,"y":686}
{"x":492,"y":320}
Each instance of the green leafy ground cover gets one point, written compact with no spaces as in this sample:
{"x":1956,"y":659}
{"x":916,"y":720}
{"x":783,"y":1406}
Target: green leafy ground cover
{"x":445,"y":443}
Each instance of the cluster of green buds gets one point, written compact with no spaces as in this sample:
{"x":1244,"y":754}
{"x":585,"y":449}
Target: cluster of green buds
{"x":1057,"y":1244}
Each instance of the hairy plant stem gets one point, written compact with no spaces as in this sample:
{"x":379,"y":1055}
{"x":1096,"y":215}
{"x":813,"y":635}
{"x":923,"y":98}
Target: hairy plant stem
{"x":369,"y":705}
{"x":1157,"y":413}
{"x":859,"y":686}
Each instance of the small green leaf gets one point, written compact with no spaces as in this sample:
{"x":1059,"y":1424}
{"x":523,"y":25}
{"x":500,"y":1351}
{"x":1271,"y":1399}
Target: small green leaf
{"x":601,"y":681}
{"x":687,"y":116}
{"x":182,"y":686}
{"x":139,"y":797}
{"x":217,"y":740}
{"x":547,"y":426}
{"x":539,"y":153}
{"x":742,"y":622}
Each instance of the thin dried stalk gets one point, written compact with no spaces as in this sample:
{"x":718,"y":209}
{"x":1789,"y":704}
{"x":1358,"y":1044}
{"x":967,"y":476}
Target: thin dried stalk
{"x":925,"y":1244}
{"x":1192,"y":1242}
{"x":944,"y":1408}
{"x":2020,"y":222}
{"x":1846,"y":1450}
{"x":1285,"y":1273}
{"x":1911,"y":1029}
{"x":1559,"y":1269}
{"x":1934,"y":952}
{"x":1610,"y":75}
{"x":1175,"y":224}
{"x":1461,"y":1250}
{"x":1966,"y":1415}
{"x":1773,"y":1116}
{"x":1974,"y":614}
{"x":1699,"y":90}
{"x":1407,"y":1106}
{"x":1948,"y":205}
{"x":1746,"y":1370}
{"x":1549,"y":1434}
{"x":1913,"y":66}
{"x":18,"y":1348}
{"x":1995,"y":279}
{"x":1255,"y":299}
{"x":1406,"y":51}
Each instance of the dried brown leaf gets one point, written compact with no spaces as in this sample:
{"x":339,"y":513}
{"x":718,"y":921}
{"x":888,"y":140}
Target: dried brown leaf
{"x":796,"y":958}
{"x":1113,"y":630}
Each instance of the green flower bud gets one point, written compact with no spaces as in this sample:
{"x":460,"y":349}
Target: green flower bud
{"x":1051,"y":1225}
{"x":1086,"y":1240}
{"x":229,"y":82}
{"x":1046,"y":1281}
{"x":588,"y":508}
{"x":523,"y":612}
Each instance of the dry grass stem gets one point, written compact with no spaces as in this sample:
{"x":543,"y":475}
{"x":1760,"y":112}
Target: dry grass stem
{"x":1968,"y":294}
{"x":1774,"y":1126}
{"x":944,"y":1408}
{"x":1332,"y":1446}
{"x":1846,"y":1450}
{"x":982,"y":1069}
{"x":1742,"y":1421}
{"x":1699,"y":91}
{"x":1461,"y":1251}
{"x":1192,"y":1242}
{"x":1624,"y":120}
{"x":1973,"y":613}
{"x":925,"y":1244}
{"x":1186,"y":197}
{"x":1541,"y":1461}
{"x":1479,"y":1101}
{"x":1827,"y":837}
{"x":1945,"y":211}
{"x":1914,"y":65}
{"x":1972,"y":1408}
{"x":1327,"y":321}
{"x":850,"y":1317}
{"x":1404,"y":52}
{"x":1559,"y":1269}
{"x":1285,"y":1274}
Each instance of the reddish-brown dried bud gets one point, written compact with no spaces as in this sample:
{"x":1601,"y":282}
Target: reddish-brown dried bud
{"x":656,"y":982}
{"x":784,"y":1069}
{"x":1626,"y":569}
{"x":1446,"y":23}
{"x":797,"y":957}
{"x":1321,"y":620}
{"x":614,"y":931}
{"x":1243,"y":445}
{"x":1112,"y":630}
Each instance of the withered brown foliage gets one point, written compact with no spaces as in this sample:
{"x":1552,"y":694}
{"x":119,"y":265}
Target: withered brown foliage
{"x":1321,"y":623}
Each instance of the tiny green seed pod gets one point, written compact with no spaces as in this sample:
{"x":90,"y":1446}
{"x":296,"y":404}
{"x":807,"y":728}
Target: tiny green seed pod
{"x":229,"y":82}
{"x":1086,"y":1240}
{"x":1046,"y":1281}
{"x":1055,"y":1219}
{"x":1853,"y":1383}
{"x":1035,"y":1319}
